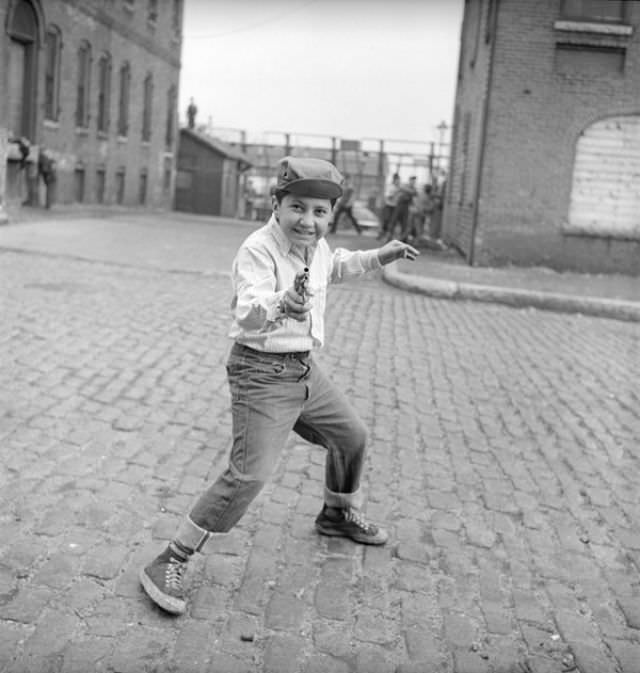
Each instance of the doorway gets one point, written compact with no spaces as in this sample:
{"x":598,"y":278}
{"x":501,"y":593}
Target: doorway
{"x":23,"y":74}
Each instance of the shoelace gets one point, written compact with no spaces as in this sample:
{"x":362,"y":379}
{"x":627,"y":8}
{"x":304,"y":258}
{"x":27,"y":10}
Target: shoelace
{"x":173,"y":574}
{"x":357,"y":517}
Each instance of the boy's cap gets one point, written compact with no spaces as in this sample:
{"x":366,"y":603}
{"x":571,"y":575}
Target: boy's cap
{"x":309,"y":177}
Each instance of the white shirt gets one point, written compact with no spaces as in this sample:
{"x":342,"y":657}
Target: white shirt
{"x":264,"y":269}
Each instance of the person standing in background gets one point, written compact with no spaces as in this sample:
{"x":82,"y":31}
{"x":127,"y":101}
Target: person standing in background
{"x":405,"y":196}
{"x":390,"y":199}
{"x":192,"y":111}
{"x":345,"y":205}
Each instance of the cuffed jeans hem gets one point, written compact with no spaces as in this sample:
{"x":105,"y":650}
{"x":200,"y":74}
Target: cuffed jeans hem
{"x":191,"y":536}
{"x":342,"y":500}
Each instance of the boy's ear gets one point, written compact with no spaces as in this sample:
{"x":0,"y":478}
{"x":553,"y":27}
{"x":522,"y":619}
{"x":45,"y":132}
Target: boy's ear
{"x":275,"y":206}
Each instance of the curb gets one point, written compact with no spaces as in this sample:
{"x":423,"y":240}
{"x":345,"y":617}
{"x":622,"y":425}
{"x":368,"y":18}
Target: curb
{"x":616,"y":309}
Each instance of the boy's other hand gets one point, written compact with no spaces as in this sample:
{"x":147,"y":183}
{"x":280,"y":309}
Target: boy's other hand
{"x":394,"y":250}
{"x":295,"y":306}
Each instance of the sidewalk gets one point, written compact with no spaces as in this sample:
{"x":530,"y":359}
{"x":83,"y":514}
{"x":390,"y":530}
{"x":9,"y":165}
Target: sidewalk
{"x":444,"y":274}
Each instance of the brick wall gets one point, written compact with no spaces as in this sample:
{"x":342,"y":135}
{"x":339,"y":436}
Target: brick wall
{"x":537,"y":110}
{"x":473,"y":69}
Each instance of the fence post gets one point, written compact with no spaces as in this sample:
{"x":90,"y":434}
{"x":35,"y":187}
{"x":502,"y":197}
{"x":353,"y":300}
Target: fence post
{"x":381,"y":175}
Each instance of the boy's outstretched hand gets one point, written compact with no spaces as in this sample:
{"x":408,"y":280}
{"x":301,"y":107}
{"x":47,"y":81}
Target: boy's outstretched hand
{"x":393,"y":250}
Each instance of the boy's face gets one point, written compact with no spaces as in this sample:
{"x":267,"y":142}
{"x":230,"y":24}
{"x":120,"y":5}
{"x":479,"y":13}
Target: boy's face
{"x":303,"y":219}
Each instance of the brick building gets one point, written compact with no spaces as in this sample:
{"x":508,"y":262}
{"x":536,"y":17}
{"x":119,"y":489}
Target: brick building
{"x":545,"y":164}
{"x":95,"y":84}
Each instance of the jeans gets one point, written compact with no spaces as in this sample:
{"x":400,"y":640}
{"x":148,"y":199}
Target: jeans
{"x":271,"y":394}
{"x":400,"y":215}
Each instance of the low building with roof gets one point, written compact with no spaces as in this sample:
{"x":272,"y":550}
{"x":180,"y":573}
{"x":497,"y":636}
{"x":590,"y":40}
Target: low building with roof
{"x":210,"y":176}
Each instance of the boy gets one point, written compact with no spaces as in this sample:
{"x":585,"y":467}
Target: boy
{"x":280,"y":277}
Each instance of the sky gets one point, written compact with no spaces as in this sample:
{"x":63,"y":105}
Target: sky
{"x":353,"y":69}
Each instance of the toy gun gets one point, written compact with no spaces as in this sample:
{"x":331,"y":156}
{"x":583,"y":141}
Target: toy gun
{"x":300,"y":284}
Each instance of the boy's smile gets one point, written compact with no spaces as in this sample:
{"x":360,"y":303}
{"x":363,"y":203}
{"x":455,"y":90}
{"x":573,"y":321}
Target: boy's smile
{"x":303,"y":219}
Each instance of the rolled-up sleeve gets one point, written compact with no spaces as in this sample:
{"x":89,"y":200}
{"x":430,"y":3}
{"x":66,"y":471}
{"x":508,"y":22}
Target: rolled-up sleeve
{"x":256,"y":302}
{"x":352,"y":263}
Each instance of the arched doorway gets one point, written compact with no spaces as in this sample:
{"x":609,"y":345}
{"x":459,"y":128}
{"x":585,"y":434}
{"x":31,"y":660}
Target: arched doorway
{"x":23,"y":70}
{"x":605,"y":194}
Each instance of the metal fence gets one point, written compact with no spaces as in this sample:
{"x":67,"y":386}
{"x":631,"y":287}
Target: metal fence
{"x":370,"y":162}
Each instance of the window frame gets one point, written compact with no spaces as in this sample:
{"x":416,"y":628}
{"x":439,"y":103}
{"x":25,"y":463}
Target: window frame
{"x":147,"y":107}
{"x":176,"y":18}
{"x":143,"y":186}
{"x":83,"y":85}
{"x":172,"y":101}
{"x":104,"y":92}
{"x":124,"y":98}
{"x":53,"y":59}
{"x":589,"y":18}
{"x":153,"y":12}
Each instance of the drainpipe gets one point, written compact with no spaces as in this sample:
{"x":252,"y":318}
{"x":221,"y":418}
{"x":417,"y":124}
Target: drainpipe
{"x":483,"y":136}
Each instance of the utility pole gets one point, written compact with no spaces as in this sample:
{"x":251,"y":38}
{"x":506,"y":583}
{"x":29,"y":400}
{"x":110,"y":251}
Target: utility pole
{"x":431,"y":161}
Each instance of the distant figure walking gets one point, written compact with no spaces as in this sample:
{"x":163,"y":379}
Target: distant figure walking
{"x":424,"y":208}
{"x":406,"y":194}
{"x":390,"y":199}
{"x":345,"y":205}
{"x":192,"y":111}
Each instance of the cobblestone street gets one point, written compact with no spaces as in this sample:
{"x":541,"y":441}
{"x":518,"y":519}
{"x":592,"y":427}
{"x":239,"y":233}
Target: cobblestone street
{"x":503,"y":458}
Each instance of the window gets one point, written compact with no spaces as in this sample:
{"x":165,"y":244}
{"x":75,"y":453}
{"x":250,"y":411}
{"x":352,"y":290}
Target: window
{"x":594,"y":10}
{"x":168,"y":169}
{"x":142,"y":193}
{"x":146,"y":108}
{"x":171,"y":116}
{"x":78,"y":176}
{"x":52,"y":48}
{"x":120,"y":182}
{"x":84,"y":80}
{"x":152,"y":11}
{"x":176,"y":17}
{"x":575,"y":60}
{"x":100,"y":184}
{"x":123,"y":103}
{"x":477,"y":26}
{"x":104,"y":92}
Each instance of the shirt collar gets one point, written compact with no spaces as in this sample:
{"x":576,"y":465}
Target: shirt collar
{"x":281,"y":239}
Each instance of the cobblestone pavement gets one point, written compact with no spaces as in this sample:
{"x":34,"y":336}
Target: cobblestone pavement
{"x":503,"y":458}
